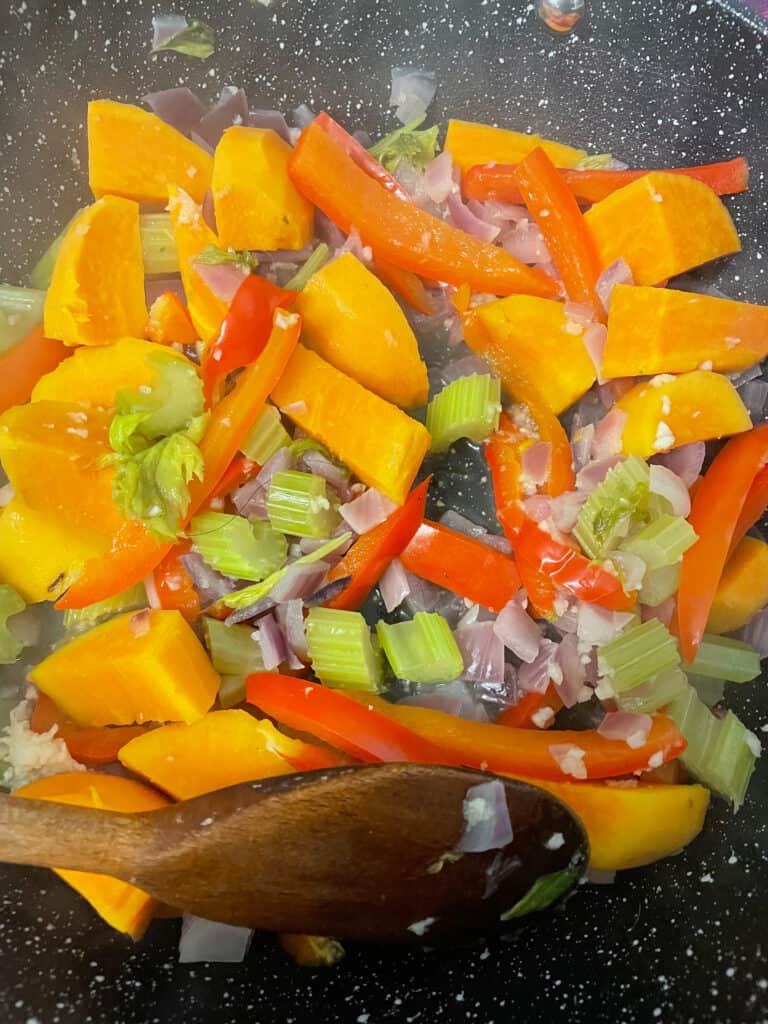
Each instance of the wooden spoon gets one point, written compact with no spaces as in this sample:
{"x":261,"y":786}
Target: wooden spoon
{"x":354,"y":852}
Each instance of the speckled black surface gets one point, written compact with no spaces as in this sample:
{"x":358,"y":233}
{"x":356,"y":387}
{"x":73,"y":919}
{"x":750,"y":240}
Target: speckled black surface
{"x":652,"y":81}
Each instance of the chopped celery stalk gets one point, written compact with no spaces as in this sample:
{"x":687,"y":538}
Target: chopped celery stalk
{"x":640,"y":653}
{"x":655,"y":693}
{"x":233,"y":650}
{"x":11,"y":603}
{"x":42,"y":272}
{"x":311,"y":266}
{"x":298,"y":504}
{"x":467,"y":407}
{"x":20,"y":310}
{"x":719,"y":657}
{"x":266,"y":436}
{"x":721,"y":752}
{"x":158,"y":244}
{"x":423,"y":650}
{"x":606,"y":514}
{"x":341,"y":650}
{"x":232,"y":691}
{"x":309,"y":444}
{"x":151,"y":412}
{"x":659,"y":584}
{"x":236,"y":547}
{"x":77,"y":620}
{"x":663,"y":542}
{"x":710,"y":691}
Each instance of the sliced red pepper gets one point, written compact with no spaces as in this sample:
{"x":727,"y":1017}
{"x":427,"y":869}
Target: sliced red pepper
{"x":22,"y":366}
{"x":90,"y":745}
{"x":245,"y":330}
{"x":338,"y":720}
{"x":754,"y":506}
{"x":397,"y":230}
{"x":715,"y":513}
{"x":135,"y":552}
{"x":174,"y":586}
{"x":520,"y":715}
{"x":241,"y":470}
{"x":554,"y":208}
{"x":498,"y":182}
{"x":360,"y":155}
{"x":371,"y":553}
{"x":462,"y":564}
{"x":408,"y":286}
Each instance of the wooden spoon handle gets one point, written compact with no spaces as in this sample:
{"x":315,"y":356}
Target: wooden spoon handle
{"x":48,"y":834}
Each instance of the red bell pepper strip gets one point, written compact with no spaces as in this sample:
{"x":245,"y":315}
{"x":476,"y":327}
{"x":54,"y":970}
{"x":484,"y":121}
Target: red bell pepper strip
{"x":90,"y":745}
{"x":174,"y":586}
{"x":135,"y":552}
{"x":371,"y":553}
{"x":241,"y":470}
{"x":554,"y":208}
{"x":520,"y":715}
{"x":397,"y":230}
{"x":360,"y":155}
{"x":715,"y":513}
{"x":462,"y":564}
{"x":755,"y":505}
{"x":498,"y":182}
{"x":245,"y":330}
{"x":408,"y":286}
{"x":22,"y":366}
{"x":311,"y":756}
{"x":338,"y":720}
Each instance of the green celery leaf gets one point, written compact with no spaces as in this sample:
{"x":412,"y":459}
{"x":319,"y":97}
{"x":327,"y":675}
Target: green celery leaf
{"x":406,"y":143}
{"x":544,"y":892}
{"x":196,"y":40}
{"x":213,"y":256}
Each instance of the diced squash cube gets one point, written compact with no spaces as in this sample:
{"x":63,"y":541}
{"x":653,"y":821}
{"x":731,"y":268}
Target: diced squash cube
{"x":133,"y":153}
{"x":379,"y":442}
{"x":351,"y":319}
{"x":257,"y":205}
{"x":662,"y":225}
{"x":470,"y":143}
{"x":193,"y":235}
{"x":660,"y":330}
{"x":122,"y":906}
{"x":169,"y":322}
{"x":531,"y":343}
{"x":668,"y":411}
{"x":96,"y":293}
{"x":743,"y":587}
{"x":145,"y":666}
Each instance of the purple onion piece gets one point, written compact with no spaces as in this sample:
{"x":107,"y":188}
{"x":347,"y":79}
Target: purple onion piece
{"x":367,"y":510}
{"x":301,"y":580}
{"x":303,"y":116}
{"x":535,"y":677}
{"x":486,"y":817}
{"x":569,"y":680}
{"x":290,"y":615}
{"x":456,"y":698}
{"x":210,"y":941}
{"x":232,"y":108}
{"x":179,"y":108}
{"x":272,"y":120}
{"x":223,"y":279}
{"x":210,"y":585}
{"x":165,"y":27}
{"x":518,"y":632}
{"x":394,"y":585}
{"x":250,"y":499}
{"x":274,"y":647}
{"x":328,"y":592}
{"x":208,"y":210}
{"x":483,"y":653}
{"x":251,"y":611}
{"x":685,"y":461}
{"x":464,"y":219}
{"x":412,"y":91}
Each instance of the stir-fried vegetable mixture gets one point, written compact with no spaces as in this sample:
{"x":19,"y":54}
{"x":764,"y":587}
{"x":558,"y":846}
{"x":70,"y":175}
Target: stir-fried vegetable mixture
{"x":234,"y":400}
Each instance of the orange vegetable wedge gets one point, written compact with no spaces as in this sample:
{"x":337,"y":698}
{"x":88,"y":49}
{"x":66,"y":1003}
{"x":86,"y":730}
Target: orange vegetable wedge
{"x":743,"y":588}
{"x":22,"y":366}
{"x":90,"y":745}
{"x":169,"y":322}
{"x":470,"y":143}
{"x":122,"y":906}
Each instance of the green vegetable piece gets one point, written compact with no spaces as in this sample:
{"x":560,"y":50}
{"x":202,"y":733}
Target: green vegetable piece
{"x":709,"y":691}
{"x":415,"y":147}
{"x":544,"y":892}
{"x":213,"y":256}
{"x":266,"y":437}
{"x":606,"y":515}
{"x":77,"y":620}
{"x":598,"y":162}
{"x":422,"y":650}
{"x":21,"y":309}
{"x":233,"y":649}
{"x":298,"y":504}
{"x":663,"y":542}
{"x":236,"y":547}
{"x":659,"y":584}
{"x":311,"y":266}
{"x":143,"y":415}
{"x":11,"y":603}
{"x":341,"y":650}
{"x":158,"y":244}
{"x":196,"y":40}
{"x":655,"y":693}
{"x":467,"y":407}
{"x":232,"y":691}
{"x":637,"y":655}
{"x":42,"y":272}
{"x":720,"y":657}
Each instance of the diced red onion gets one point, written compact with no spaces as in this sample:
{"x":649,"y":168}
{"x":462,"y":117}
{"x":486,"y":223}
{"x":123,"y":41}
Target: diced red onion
{"x":663,"y":612}
{"x":594,"y":338}
{"x":483,"y":653}
{"x":588,"y":478}
{"x":518,"y":632}
{"x":685,"y":461}
{"x":210,"y":941}
{"x":422,"y":595}
{"x":7,"y":493}
{"x":569,"y":680}
{"x":629,"y":726}
{"x":581,"y":444}
{"x":223,"y":279}
{"x":165,"y":27}
{"x":301,"y":580}
{"x":154,"y":287}
{"x":354,"y":244}
{"x":303,"y":116}
{"x":565,"y":509}
{"x":525,"y":242}
{"x":251,"y":611}
{"x":570,"y":759}
{"x":150,"y":588}
{"x":394,"y":585}
{"x":535,"y":462}
{"x":456,"y":521}
{"x":368,"y":510}
{"x":538,"y":507}
{"x":743,"y":377}
{"x":608,"y":434}
{"x":179,"y":108}
{"x":455,"y":698}
{"x":290,"y":616}
{"x":579,"y":314}
{"x":487,"y":825}
{"x":594,"y":877}
{"x":440,"y":178}
{"x":231,"y":108}
{"x":274,"y":648}
{"x":597,"y":625}
{"x":210,"y":585}
{"x":413,"y":89}
{"x":496,"y":541}
{"x":309,"y":544}
{"x":463,"y":218}
{"x":463,"y":367}
{"x":670,"y":486}
{"x":272,"y":120}
{"x":754,"y":394}
{"x":756,"y":633}
{"x":208,"y":210}
{"x":319,"y":465}
{"x":618,"y":272}
{"x":200,"y":141}
{"x":250,"y":499}
{"x":535,"y":676}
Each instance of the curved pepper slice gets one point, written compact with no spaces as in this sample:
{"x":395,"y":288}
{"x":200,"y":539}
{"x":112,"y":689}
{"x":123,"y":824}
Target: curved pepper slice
{"x":175,"y":589}
{"x":22,"y":366}
{"x":90,"y":745}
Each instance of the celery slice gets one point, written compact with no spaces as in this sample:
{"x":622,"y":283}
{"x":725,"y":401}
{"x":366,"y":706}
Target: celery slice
{"x":719,"y":657}
{"x":467,"y":407}
{"x":341,"y":649}
{"x":232,"y":691}
{"x":21,"y":309}
{"x":233,"y":650}
{"x":710,"y":691}
{"x":158,"y":244}
{"x":605,"y":516}
{"x":11,"y":603}
{"x":659,"y":584}
{"x":309,"y":267}
{"x":422,"y":650}
{"x":640,"y":653}
{"x":266,"y":437}
{"x":42,"y":272}
{"x":236,"y":547}
{"x":298,"y":504}
{"x":663,"y":542}
{"x":656,"y":693}
{"x":77,"y":620}
{"x":175,"y":400}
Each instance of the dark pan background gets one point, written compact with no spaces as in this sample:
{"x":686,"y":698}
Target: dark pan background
{"x":653,"y":82}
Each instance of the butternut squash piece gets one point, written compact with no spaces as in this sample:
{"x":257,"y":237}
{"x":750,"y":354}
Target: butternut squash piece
{"x":379,"y":442}
{"x":51,"y":452}
{"x":145,"y":666}
{"x":40,"y":554}
{"x":743,"y":588}
{"x":169,"y":322}
{"x":662,"y":225}
{"x":351,"y":319}
{"x":192,"y":234}
{"x":121,"y":905}
{"x":659,"y":330}
{"x":667,"y":412}
{"x":219,"y":750}
{"x":470,"y":143}
{"x":531,"y":343}
{"x":257,"y":205}
{"x":96,"y":293}
{"x":133,"y":153}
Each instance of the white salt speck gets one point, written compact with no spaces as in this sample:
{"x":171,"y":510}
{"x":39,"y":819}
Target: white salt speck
{"x":421,"y":927}
{"x":555,"y":841}
{"x":706,"y":878}
{"x":206,"y":822}
{"x":664,"y":437}
{"x":706,"y":365}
